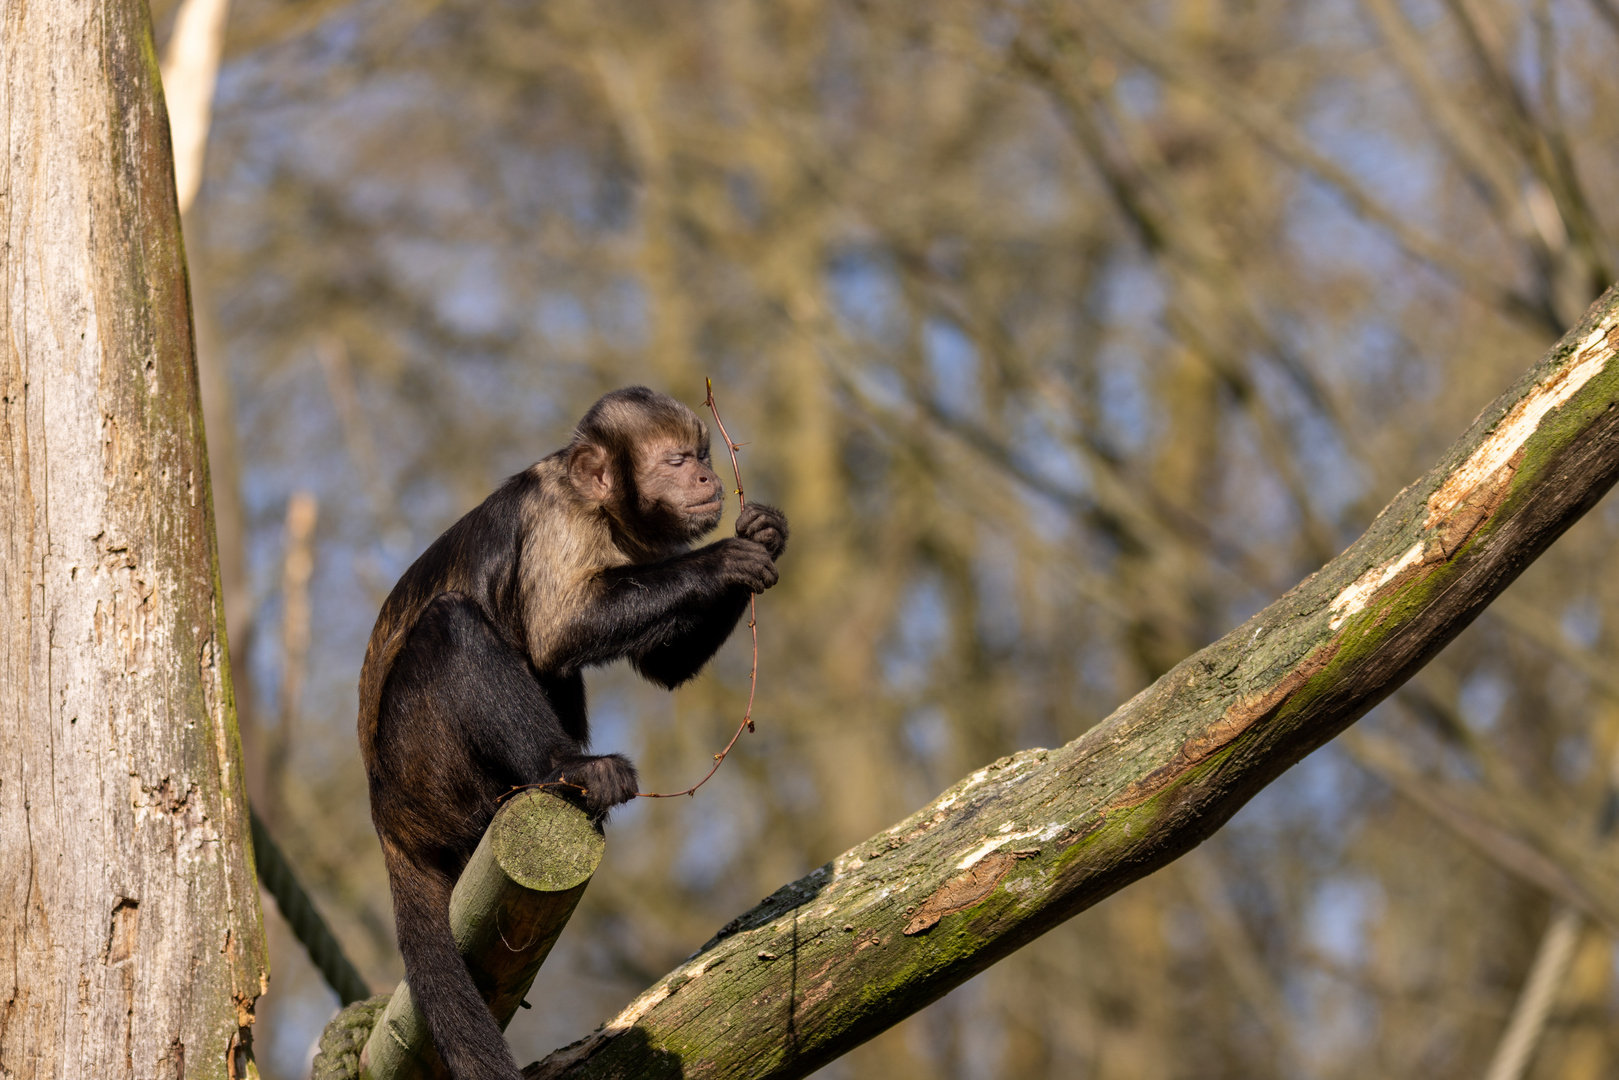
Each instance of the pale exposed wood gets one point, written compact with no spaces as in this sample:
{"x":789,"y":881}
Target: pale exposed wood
{"x":190,"y":69}
{"x":127,"y":899}
{"x":509,"y":907}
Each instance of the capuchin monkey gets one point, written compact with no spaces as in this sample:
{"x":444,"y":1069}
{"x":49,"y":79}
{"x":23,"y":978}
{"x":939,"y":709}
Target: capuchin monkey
{"x":472,"y":681}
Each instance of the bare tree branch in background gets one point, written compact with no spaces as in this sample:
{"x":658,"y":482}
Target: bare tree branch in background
{"x":190,"y":69}
{"x":297,"y":564}
{"x":1517,"y":1047}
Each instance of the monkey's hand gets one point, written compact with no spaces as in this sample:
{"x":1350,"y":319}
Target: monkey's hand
{"x":763,"y":525}
{"x":746,"y":563}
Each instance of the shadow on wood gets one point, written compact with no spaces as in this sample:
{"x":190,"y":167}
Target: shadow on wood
{"x":509,"y":906}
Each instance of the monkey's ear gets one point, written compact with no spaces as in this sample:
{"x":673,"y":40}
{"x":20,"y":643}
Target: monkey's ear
{"x":591,"y":472}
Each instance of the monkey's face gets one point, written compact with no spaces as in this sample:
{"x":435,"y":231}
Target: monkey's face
{"x":679,"y":492}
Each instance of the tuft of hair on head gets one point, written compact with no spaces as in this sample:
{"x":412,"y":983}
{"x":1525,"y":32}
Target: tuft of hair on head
{"x":629,"y":415}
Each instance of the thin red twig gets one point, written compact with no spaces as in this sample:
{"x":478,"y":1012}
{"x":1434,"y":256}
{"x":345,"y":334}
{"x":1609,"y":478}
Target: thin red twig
{"x":564,"y":782}
{"x":753,"y":620}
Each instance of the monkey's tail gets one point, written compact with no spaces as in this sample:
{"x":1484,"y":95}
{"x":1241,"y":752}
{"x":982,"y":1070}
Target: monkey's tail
{"x":464,"y":1030}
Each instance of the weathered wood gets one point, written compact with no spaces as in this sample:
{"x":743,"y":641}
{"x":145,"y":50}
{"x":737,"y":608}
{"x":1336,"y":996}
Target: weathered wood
{"x":1019,"y":846}
{"x":127,"y":900}
{"x":508,"y":908}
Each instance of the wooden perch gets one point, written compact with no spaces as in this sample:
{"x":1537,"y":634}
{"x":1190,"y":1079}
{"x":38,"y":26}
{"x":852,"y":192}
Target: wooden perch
{"x":1017,"y":847}
{"x":508,"y":908}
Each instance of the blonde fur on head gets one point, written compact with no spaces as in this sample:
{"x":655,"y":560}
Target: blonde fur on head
{"x":635,"y":412}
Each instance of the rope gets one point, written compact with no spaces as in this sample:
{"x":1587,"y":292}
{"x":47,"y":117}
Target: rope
{"x":307,"y":925}
{"x":340,"y":1044}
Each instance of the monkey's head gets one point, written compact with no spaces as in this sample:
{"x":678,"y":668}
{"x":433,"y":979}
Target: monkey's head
{"x":644,"y":458}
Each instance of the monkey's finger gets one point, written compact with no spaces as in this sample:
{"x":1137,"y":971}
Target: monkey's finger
{"x":758,"y":575}
{"x":768,"y":576}
{"x":755,"y":511}
{"x":768,"y":528}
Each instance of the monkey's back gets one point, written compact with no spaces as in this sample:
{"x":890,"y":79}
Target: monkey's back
{"x":478,"y":556}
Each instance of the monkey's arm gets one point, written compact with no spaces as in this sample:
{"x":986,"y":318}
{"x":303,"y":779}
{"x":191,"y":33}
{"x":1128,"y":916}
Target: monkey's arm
{"x":671,"y":615}
{"x":674,"y":662}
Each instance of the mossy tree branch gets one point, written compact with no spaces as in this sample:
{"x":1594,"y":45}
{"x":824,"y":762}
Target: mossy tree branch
{"x":508,"y":909}
{"x":1017,"y":847}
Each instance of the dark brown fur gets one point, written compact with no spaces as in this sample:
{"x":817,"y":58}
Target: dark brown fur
{"x":472,"y":681}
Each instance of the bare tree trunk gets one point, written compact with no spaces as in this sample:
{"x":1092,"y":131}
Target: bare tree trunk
{"x":127,"y":899}
{"x":832,"y":959}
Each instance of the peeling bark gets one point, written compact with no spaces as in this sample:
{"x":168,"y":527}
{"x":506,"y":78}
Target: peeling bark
{"x":128,"y":905}
{"x":1017,"y":847}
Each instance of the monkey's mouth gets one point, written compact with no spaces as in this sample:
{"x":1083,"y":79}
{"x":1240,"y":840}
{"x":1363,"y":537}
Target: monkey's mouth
{"x":705,"y":508}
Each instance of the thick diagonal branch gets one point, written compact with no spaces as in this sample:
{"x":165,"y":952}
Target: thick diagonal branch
{"x":1019,"y":846}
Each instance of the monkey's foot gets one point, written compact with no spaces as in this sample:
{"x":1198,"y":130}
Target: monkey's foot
{"x":607,"y":780}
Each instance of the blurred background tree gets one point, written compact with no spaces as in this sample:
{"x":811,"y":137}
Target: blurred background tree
{"x":1067,"y":333}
